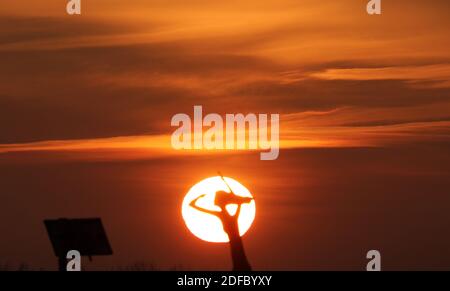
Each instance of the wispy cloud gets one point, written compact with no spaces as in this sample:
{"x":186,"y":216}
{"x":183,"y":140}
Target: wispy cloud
{"x":438,"y":74}
{"x":123,"y":70}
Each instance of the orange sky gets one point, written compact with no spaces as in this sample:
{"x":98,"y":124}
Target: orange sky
{"x":86,"y":103}
{"x":337,"y":76}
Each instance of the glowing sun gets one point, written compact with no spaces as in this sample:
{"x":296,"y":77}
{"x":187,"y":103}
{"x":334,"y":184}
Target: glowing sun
{"x":209,"y":227}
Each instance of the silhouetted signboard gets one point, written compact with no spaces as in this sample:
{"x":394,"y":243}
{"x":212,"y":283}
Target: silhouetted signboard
{"x":84,"y":235}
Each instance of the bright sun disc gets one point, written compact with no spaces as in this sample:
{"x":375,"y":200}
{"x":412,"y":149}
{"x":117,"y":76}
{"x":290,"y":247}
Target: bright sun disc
{"x":209,"y":227}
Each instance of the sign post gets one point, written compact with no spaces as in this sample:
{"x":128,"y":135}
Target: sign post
{"x":87,"y":236}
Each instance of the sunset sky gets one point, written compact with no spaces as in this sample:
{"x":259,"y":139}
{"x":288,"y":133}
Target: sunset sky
{"x":364,"y":103}
{"x":337,"y":76}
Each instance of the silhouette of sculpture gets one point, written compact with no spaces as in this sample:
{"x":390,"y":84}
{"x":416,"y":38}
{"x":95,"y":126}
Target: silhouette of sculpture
{"x":230,"y":225}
